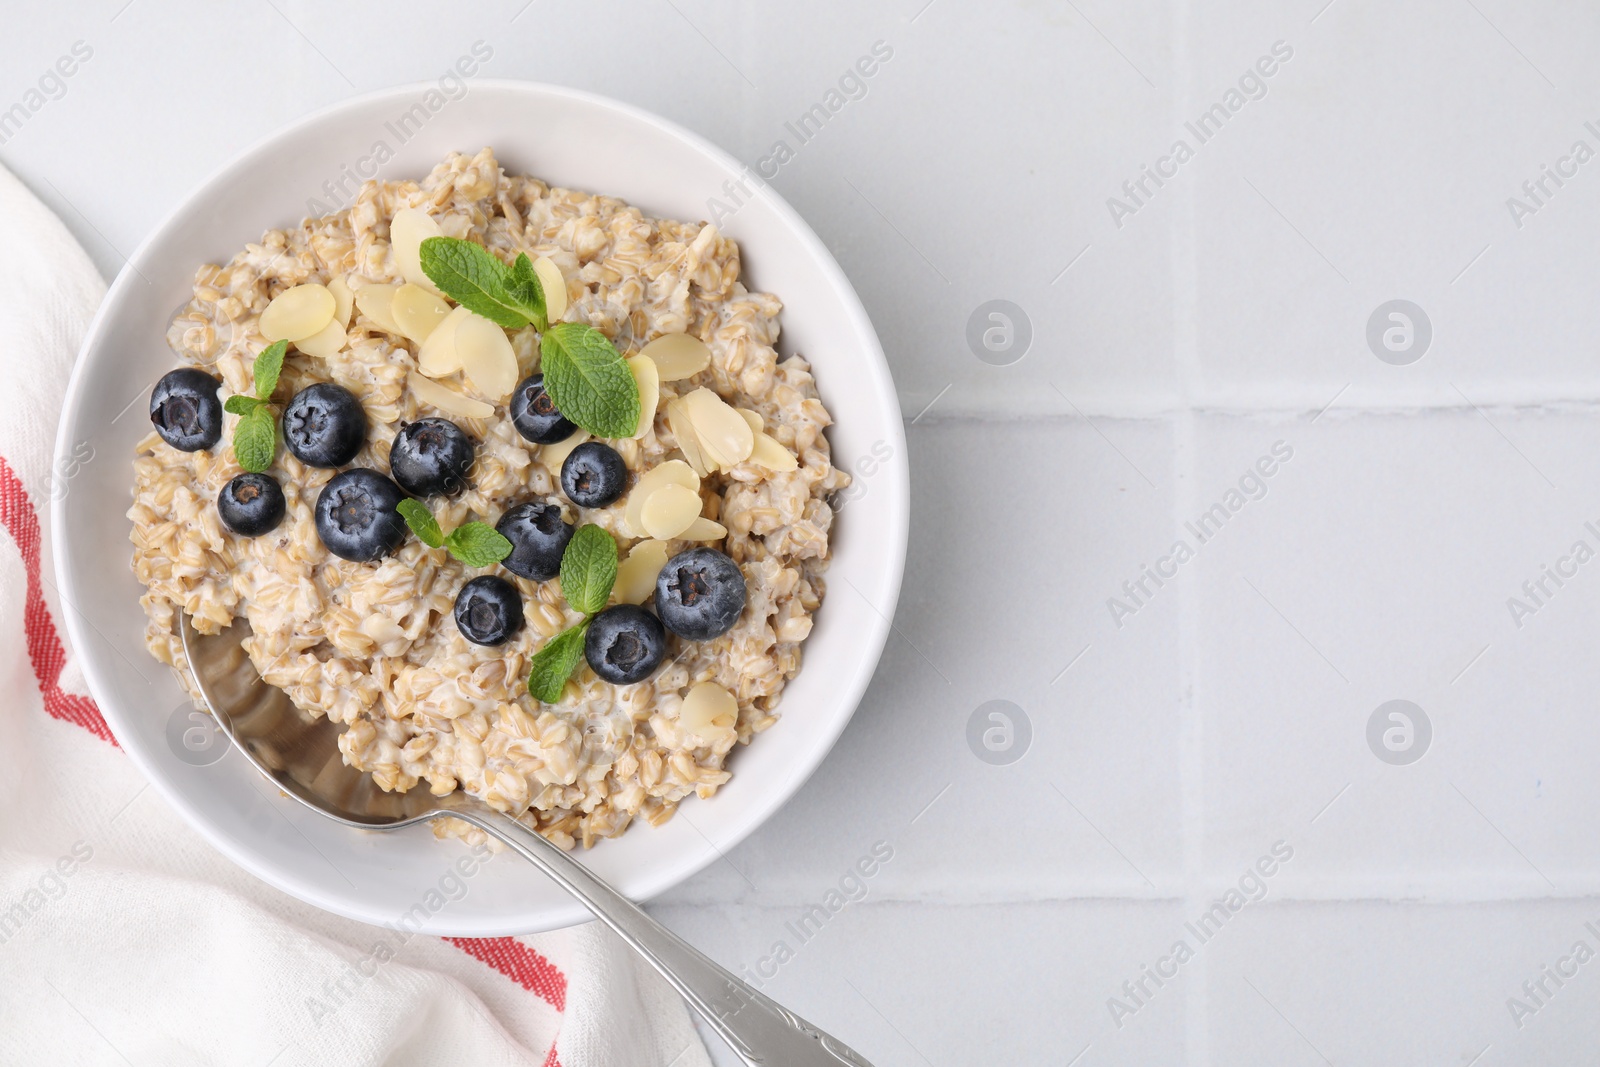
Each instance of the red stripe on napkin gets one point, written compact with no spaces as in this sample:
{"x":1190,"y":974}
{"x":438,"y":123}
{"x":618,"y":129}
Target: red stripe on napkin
{"x":519,"y":963}
{"x":44,"y":645}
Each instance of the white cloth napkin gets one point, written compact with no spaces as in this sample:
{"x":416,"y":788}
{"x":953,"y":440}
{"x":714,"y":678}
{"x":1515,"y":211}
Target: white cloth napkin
{"x":124,"y":939}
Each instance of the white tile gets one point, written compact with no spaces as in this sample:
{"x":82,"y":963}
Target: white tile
{"x":1376,"y":568}
{"x":930,"y":984}
{"x":1386,"y":983}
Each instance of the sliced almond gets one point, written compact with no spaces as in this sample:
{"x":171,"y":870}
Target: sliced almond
{"x":772,"y":455}
{"x":325,"y":342}
{"x":704,"y":529}
{"x":678,"y":355}
{"x":344,"y":300}
{"x":487,"y":358}
{"x":756,"y":425}
{"x":446,"y":399}
{"x":417,"y":312}
{"x":669,"y":511}
{"x":553,"y":456}
{"x":709,"y":711}
{"x":724,"y":437}
{"x":298,"y":312}
{"x":648,"y":380}
{"x":683,"y":430}
{"x":636,"y":575}
{"x":407,"y":230}
{"x":376,"y":302}
{"x":439,"y":357}
{"x":554,"y":284}
{"x":672,"y":472}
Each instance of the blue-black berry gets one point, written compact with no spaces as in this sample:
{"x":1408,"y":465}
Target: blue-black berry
{"x":488,"y":610}
{"x":625,"y":644}
{"x":185,"y":410}
{"x":594,"y":475}
{"x":534,"y":414}
{"x":700,"y":594}
{"x":251,"y":504}
{"x":356,"y":516}
{"x":431,"y":457}
{"x":324,"y":425}
{"x":538,"y":536}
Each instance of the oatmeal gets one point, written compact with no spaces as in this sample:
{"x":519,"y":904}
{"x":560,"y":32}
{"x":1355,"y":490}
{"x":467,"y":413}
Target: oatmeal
{"x":425,"y":653}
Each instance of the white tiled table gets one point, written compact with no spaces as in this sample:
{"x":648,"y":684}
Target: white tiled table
{"x":1225,"y":314}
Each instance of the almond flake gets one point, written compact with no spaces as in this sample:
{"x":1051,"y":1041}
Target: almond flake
{"x":487,"y":358}
{"x":770,"y":454}
{"x":709,"y":711}
{"x":438,"y":357}
{"x":636,"y":575}
{"x":554,"y":284}
{"x":672,"y":472}
{"x":298,"y":312}
{"x":704,"y":529}
{"x":678,"y":355}
{"x":417,"y":312}
{"x":325,"y":342}
{"x":688,"y":444}
{"x":407,"y":230}
{"x":724,"y":437}
{"x":376,"y":302}
{"x":756,"y":425}
{"x":669,"y":511}
{"x":648,"y":380}
{"x":344,"y":300}
{"x":446,"y":399}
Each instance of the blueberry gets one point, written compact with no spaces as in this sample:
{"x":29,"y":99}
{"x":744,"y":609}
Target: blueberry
{"x":625,"y":644}
{"x":594,"y":475}
{"x":251,"y":504}
{"x":700,"y":594}
{"x":488,"y":610}
{"x":356,"y":516}
{"x":324,"y":425}
{"x":534,"y":414}
{"x":431,"y":457}
{"x":538,"y":536}
{"x":185,"y":409}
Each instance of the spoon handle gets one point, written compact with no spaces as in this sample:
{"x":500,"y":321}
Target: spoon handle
{"x":761,"y":1031}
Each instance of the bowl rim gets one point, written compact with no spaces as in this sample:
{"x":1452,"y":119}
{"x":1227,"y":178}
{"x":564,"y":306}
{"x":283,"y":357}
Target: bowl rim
{"x":895,"y":483}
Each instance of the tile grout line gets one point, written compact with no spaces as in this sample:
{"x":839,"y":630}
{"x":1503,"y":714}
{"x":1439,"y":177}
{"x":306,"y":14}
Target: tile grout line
{"x":1184,"y":429}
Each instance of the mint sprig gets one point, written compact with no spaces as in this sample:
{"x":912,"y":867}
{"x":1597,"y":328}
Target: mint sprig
{"x":589,"y":568}
{"x":477,"y":544}
{"x":475,"y":278}
{"x":589,"y":380}
{"x":255,"y":436}
{"x":553,"y":664}
{"x":588,"y":571}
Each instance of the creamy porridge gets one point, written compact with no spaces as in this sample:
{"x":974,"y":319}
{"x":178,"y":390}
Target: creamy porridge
{"x":431,"y":677}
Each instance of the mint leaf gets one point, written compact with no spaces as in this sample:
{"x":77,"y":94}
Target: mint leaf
{"x":477,"y":544}
{"x":589,"y":380}
{"x":421,"y":521}
{"x":269,"y":364}
{"x":255,"y":439}
{"x":589,"y":569}
{"x":241,"y":405}
{"x":553,"y":664}
{"x":475,"y":278}
{"x":523,"y":286}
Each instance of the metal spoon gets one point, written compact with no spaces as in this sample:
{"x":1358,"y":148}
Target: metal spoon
{"x":300,"y":754}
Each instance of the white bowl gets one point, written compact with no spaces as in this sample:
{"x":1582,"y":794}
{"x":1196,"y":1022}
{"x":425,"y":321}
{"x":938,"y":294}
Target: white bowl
{"x":567,"y":138}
